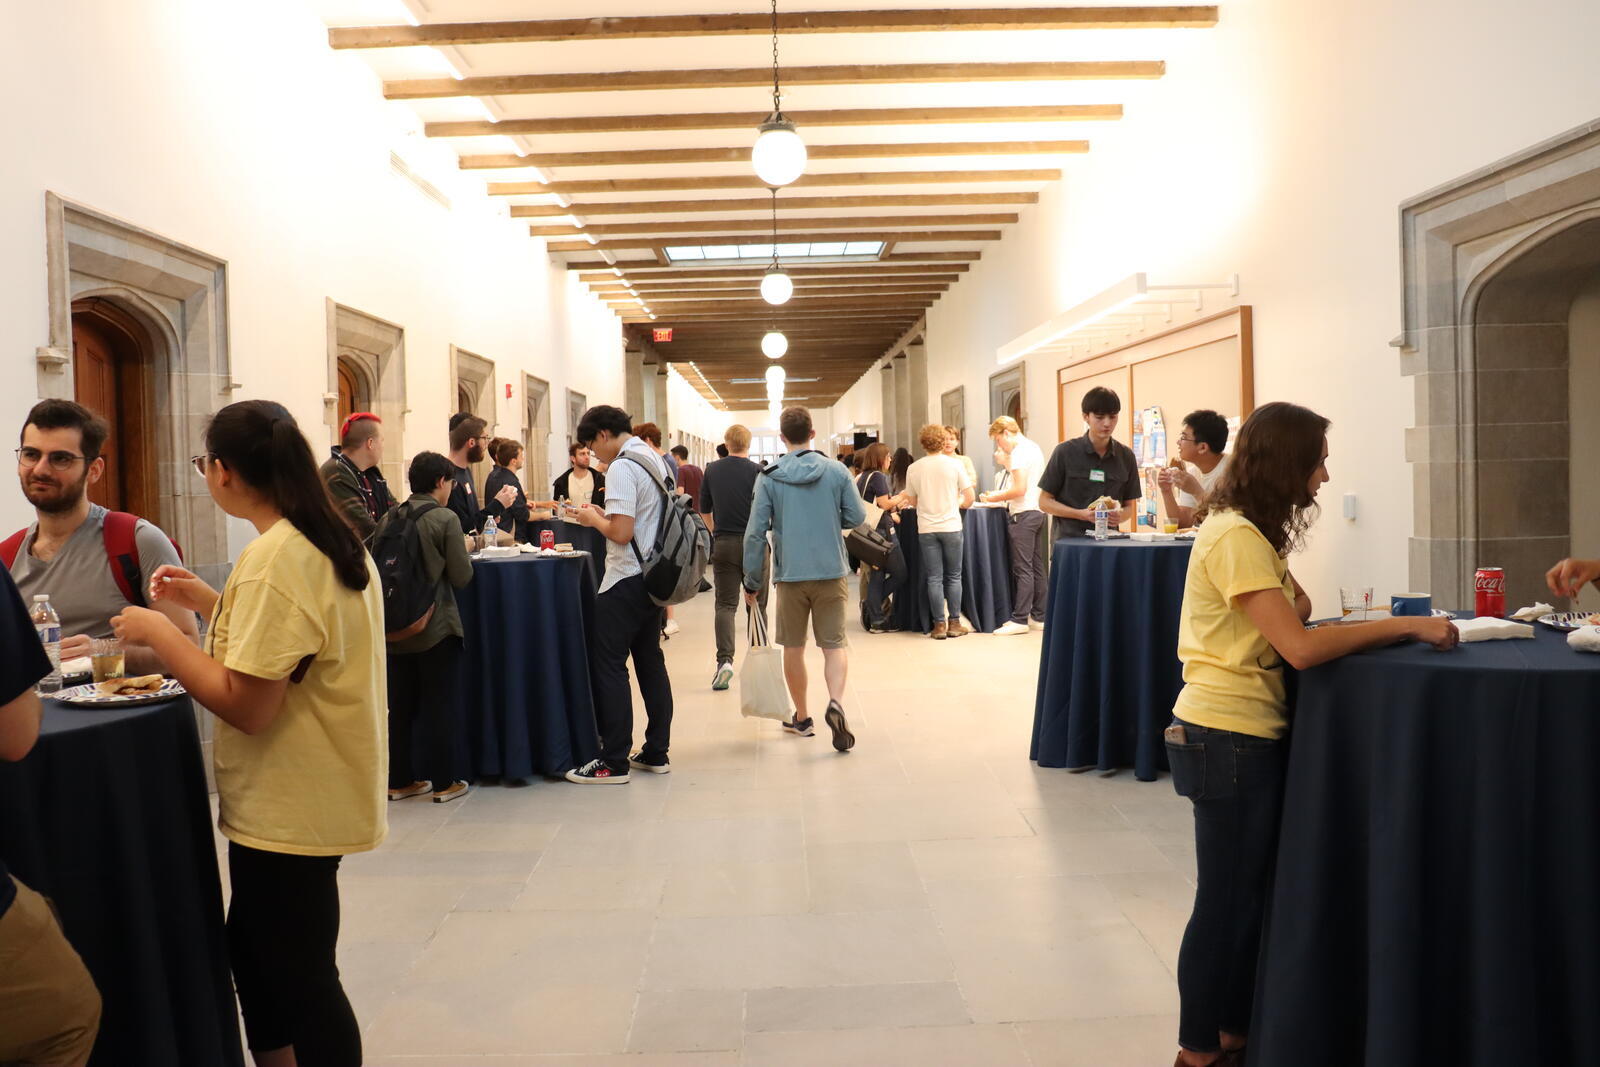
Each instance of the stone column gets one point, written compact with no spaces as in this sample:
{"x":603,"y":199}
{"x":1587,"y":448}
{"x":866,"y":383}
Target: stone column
{"x":902,"y":403}
{"x":888,"y":426}
{"x":917,"y":358}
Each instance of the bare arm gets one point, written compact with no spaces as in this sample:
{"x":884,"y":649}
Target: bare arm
{"x":710,"y":521}
{"x":19,"y":725}
{"x":618,"y":529}
{"x":1281,"y":625}
{"x":142,"y":660}
{"x":1051,"y":506}
{"x":1177,"y":512}
{"x":243,"y":701}
{"x":966,"y":497}
{"x":1302,"y":601}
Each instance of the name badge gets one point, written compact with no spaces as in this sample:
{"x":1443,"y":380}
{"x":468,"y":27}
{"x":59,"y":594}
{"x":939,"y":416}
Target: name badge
{"x":1097,"y":476}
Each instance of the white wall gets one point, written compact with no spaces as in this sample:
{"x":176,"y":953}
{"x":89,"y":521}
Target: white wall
{"x":232,"y":128}
{"x":1279,"y":146}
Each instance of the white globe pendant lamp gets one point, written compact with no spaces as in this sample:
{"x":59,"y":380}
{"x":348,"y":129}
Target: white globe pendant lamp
{"x":776,"y":286}
{"x":774,"y":344}
{"x":779,"y":155}
{"x":776,"y":376}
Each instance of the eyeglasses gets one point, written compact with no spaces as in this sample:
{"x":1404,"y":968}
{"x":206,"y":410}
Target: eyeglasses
{"x":1185,"y":439}
{"x":59,"y":461}
{"x":201,"y":462}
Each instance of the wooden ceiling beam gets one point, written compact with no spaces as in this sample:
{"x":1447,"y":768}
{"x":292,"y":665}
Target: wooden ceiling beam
{"x":527,"y":31}
{"x":763,"y":226}
{"x":651,"y":157}
{"x":872,"y":269}
{"x":752,"y":77}
{"x":599,"y":208}
{"x":650,"y":268}
{"x":750,"y":182}
{"x":749,"y":120}
{"x":924,"y":236}
{"x":705,"y":290}
{"x":801,"y":281}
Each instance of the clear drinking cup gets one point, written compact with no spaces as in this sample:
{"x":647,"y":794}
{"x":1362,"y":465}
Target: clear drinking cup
{"x":106,"y":658}
{"x":1356,"y":603}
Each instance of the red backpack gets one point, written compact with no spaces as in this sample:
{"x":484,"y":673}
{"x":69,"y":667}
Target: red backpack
{"x":122,"y":553}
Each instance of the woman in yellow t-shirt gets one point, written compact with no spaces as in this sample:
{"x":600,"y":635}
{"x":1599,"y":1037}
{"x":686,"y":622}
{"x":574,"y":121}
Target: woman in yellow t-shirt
{"x":1243,"y":617}
{"x":294,"y":669}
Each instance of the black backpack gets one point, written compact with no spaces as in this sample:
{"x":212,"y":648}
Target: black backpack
{"x":408,"y":594}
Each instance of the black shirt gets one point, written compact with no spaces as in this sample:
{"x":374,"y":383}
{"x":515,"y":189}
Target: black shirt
{"x":727,"y":490}
{"x":872,"y":486}
{"x":1076,"y":475}
{"x":22,"y":662}
{"x":517,"y":514}
{"x":464,"y":500}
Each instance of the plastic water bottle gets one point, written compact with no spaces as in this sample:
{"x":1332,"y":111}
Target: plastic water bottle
{"x":48,"y":625}
{"x":1101,"y":517}
{"x":491,"y":530}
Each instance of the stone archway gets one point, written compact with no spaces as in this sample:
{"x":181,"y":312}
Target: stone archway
{"x":1492,"y":265}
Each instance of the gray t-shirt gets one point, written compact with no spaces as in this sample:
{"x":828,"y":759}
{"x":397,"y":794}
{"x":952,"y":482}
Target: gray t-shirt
{"x":630,"y":491}
{"x":79,"y":581}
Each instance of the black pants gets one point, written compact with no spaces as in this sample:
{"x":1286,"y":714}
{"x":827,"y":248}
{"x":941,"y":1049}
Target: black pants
{"x":1028,"y":585}
{"x":628,"y":623}
{"x":425,"y":699}
{"x":883,"y":583}
{"x":1235,"y":782}
{"x":283,"y":929}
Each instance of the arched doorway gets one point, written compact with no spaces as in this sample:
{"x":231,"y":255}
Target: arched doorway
{"x":112,"y":358}
{"x":354,"y":392}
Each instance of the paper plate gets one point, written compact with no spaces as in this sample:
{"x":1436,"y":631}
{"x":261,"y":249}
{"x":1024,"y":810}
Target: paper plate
{"x":1566,"y":620}
{"x":87,"y":696}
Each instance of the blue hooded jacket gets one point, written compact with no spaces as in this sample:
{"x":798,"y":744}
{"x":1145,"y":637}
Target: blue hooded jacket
{"x":806,"y":500}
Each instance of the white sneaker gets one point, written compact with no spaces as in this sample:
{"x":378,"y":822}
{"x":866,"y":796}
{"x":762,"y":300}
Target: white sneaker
{"x":1009,"y":628}
{"x":723,"y":677}
{"x":1035,"y":625}
{"x":670,"y":628}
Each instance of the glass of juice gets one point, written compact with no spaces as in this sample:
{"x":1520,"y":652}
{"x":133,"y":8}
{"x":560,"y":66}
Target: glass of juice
{"x":106,"y":658}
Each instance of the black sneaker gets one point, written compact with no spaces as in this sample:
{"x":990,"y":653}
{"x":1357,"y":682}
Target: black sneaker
{"x":595,"y":772}
{"x":800,"y":727}
{"x":645,"y":761}
{"x":843,"y":739}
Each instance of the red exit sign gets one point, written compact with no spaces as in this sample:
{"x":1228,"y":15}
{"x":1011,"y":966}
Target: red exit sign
{"x":662,"y":333}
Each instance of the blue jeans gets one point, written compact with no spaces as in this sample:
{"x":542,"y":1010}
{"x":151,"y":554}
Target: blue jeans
{"x":941,"y":570}
{"x":1235,"y":782}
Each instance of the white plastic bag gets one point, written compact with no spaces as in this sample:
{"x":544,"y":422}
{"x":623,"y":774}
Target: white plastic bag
{"x":763,"y":694}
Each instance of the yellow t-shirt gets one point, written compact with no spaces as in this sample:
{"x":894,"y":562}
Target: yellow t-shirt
{"x":1232,"y":677}
{"x":313,"y":782}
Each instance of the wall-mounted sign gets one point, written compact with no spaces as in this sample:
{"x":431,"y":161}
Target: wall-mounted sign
{"x":662,"y":333}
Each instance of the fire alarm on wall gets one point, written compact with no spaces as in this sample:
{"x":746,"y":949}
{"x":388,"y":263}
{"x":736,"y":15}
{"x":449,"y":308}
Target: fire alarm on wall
{"x":508,"y":390}
{"x":661,"y":333}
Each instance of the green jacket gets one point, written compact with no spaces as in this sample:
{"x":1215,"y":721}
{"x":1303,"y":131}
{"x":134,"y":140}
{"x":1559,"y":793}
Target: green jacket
{"x":444,"y":554}
{"x":362,"y":506}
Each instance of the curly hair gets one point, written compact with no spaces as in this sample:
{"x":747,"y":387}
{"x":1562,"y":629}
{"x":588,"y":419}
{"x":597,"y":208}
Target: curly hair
{"x":1278,"y":449}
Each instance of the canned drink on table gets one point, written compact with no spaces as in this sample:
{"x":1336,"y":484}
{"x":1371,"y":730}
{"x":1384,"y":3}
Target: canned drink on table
{"x":547,"y":539}
{"x":1490,"y":585}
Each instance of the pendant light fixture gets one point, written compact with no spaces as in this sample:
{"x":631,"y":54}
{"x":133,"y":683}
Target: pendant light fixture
{"x":776,"y":286}
{"x":774,"y":344}
{"x":779,"y":156}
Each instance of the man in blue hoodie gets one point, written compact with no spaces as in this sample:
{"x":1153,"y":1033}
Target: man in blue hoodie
{"x":806,"y":500}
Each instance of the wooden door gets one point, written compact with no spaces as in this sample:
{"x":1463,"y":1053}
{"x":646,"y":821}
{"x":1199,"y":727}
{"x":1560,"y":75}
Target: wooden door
{"x":348,"y":391}
{"x":111,"y":377}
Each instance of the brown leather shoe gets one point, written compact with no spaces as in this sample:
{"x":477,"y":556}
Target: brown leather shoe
{"x":940,"y":631}
{"x":956,"y":629}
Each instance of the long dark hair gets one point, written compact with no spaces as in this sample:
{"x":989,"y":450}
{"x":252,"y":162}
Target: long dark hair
{"x":1278,"y":448}
{"x":260,"y":442}
{"x":898,"y":468}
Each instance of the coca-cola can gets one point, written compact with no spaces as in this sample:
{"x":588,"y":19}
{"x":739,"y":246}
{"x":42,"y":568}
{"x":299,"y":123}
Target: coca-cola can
{"x":1490,"y":585}
{"x":547,"y":539}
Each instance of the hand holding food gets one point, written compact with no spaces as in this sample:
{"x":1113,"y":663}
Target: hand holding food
{"x":183,"y":588}
{"x":506,"y":496}
{"x":1568,"y":577}
{"x":139,"y":626}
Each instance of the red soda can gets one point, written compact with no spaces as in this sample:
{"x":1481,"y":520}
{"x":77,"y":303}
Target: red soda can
{"x":1490,"y":585}
{"x":547,"y":539}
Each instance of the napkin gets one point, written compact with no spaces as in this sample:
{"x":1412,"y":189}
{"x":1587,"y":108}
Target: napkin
{"x":1533,"y":613}
{"x":81,"y":665}
{"x":1149,"y":535}
{"x":1585,"y":640}
{"x":1490,"y":629}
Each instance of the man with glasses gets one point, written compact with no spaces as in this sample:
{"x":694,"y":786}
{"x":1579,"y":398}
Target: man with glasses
{"x":1200,"y":447}
{"x":91,"y":562}
{"x":466,"y":448}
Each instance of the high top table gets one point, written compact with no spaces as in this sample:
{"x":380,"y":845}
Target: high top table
{"x":583,"y":538}
{"x":1109,"y":672}
{"x":108,"y":817}
{"x":985,"y":572}
{"x":1437,"y":896}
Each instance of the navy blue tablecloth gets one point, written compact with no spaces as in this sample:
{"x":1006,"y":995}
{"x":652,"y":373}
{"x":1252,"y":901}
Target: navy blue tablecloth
{"x":527,"y":706}
{"x":108,"y":817}
{"x":583,"y":538}
{"x":985,"y":572}
{"x":1109,"y":672}
{"x":1437,"y":897}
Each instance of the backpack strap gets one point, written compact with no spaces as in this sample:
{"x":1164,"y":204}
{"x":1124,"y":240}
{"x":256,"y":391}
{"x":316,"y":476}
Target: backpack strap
{"x":11,"y":546}
{"x":661,"y":524}
{"x":122,"y":553}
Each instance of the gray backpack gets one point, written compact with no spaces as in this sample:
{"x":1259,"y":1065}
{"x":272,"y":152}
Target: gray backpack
{"x":675,"y":568}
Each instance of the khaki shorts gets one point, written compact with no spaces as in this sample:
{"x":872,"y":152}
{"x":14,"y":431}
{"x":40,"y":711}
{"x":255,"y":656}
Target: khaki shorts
{"x":823,"y":602}
{"x":49,"y":1007}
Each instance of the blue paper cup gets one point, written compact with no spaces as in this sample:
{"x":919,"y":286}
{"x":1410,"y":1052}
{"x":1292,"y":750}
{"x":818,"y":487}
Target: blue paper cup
{"x":1413,"y":604}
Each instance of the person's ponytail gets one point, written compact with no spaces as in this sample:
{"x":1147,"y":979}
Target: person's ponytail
{"x":260,"y":441}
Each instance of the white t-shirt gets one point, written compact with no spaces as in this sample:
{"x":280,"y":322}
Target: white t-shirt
{"x":1027,"y":463}
{"x":630,"y":491}
{"x":580,"y":490}
{"x":937,"y":482}
{"x":1207,"y":481}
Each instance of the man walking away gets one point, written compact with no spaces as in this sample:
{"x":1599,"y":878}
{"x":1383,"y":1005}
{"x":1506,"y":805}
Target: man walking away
{"x":1022,"y":462}
{"x":726,"y":491}
{"x":806,"y":500}
{"x":626,"y":621}
{"x":360,"y":493}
